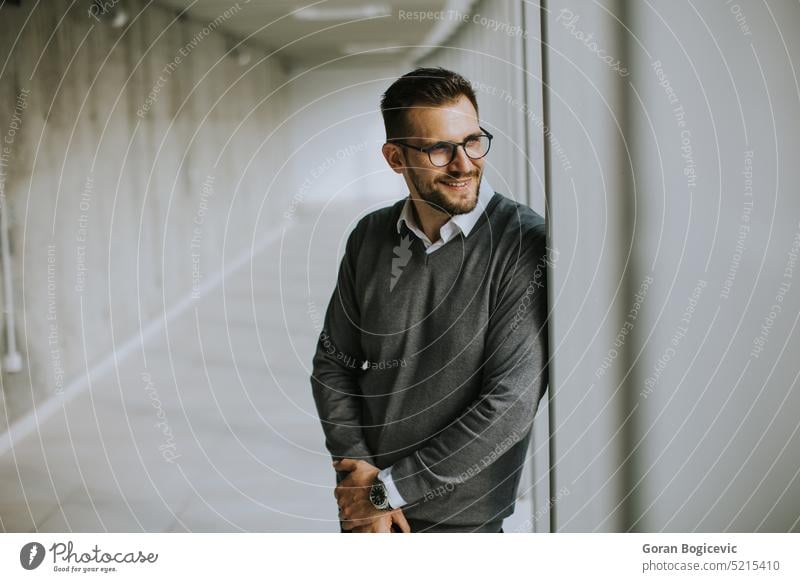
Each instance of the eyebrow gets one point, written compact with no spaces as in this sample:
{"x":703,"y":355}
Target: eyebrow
{"x":475,"y":134}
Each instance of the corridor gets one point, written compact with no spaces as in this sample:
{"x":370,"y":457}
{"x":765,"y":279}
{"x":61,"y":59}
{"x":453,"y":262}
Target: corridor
{"x":178,"y":179}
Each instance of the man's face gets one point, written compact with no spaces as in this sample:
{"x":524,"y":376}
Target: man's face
{"x":452,"y":189}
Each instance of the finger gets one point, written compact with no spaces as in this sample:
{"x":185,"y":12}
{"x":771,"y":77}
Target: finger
{"x":400,"y":519}
{"x":344,"y":512}
{"x":354,"y":524}
{"x":345,"y":465}
{"x":345,"y":483}
{"x":348,"y":508}
{"x":353,"y":521}
{"x":381,"y":524}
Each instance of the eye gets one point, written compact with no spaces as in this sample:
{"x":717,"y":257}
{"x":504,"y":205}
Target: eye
{"x":439,"y":148}
{"x":477,"y":146}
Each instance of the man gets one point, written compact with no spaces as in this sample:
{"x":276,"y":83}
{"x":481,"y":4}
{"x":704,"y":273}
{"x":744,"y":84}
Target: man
{"x":432,"y":360}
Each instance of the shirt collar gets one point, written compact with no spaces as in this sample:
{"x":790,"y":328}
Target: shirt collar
{"x":464,"y":222}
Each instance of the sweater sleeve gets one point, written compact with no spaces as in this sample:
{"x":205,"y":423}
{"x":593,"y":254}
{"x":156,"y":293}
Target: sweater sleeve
{"x":514,"y":380}
{"x":336,"y":367}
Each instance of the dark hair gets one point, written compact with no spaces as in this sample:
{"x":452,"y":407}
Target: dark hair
{"x":423,"y":86}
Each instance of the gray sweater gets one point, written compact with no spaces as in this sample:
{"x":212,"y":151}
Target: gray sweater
{"x":434,"y":364}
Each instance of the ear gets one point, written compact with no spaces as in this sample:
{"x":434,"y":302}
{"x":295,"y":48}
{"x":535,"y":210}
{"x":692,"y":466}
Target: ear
{"x":394,"y":157}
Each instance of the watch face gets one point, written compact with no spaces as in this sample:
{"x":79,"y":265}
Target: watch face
{"x":377,"y":495}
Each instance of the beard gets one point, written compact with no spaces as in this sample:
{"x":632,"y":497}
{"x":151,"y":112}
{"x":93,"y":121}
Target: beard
{"x":435,"y":195}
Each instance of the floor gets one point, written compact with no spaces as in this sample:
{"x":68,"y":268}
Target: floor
{"x":210,"y":426}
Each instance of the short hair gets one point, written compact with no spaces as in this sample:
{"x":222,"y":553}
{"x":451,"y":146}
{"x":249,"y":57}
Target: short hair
{"x":421,"y":87}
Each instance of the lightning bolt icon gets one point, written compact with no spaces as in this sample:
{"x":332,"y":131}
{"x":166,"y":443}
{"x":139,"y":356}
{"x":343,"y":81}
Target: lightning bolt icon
{"x":34,"y":551}
{"x":402,"y":254}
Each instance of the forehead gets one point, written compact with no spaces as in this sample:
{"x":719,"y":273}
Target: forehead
{"x":451,"y":121}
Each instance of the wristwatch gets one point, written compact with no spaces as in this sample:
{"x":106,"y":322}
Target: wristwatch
{"x":378,"y":495}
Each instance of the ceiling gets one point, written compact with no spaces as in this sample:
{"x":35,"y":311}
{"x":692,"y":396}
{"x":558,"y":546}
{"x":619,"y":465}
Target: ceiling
{"x":332,"y":29}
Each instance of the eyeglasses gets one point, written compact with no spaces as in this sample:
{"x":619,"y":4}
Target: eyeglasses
{"x":442,"y":153}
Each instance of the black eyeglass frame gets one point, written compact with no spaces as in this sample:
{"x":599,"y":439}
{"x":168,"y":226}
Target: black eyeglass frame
{"x":463,"y":144}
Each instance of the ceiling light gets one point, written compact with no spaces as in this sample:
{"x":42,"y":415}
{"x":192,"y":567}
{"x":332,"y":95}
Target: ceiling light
{"x":242,"y":56}
{"x":119,"y":18}
{"x":352,"y":48}
{"x":343,"y":12}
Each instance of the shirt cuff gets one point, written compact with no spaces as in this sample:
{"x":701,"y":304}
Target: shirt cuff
{"x":395,"y":499}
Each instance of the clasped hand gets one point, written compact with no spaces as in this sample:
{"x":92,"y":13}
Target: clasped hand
{"x":356,"y":511}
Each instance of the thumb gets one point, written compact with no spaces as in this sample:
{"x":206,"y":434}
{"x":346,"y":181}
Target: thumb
{"x":400,"y":519}
{"x":345,"y":465}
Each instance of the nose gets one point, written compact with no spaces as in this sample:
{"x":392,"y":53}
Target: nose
{"x":461,"y":164}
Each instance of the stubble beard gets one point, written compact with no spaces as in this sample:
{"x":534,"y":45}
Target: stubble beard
{"x":434,"y":197}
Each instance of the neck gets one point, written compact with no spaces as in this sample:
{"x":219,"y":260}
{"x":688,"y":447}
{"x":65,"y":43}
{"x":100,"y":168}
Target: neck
{"x":429,"y":219}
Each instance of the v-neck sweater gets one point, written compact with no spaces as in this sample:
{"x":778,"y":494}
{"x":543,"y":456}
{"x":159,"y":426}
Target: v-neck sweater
{"x":434,"y":364}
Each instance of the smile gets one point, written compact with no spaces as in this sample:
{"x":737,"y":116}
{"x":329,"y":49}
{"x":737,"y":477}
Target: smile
{"x":457,"y":185}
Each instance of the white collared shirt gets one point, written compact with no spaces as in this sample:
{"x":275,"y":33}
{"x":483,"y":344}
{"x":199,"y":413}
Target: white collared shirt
{"x":461,"y":223}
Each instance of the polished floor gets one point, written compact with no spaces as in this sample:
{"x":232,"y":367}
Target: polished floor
{"x":207,"y":426}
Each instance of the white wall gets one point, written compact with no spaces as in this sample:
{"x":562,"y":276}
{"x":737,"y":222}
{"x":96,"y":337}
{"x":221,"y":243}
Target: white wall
{"x":588,"y":228}
{"x":688,"y":428}
{"x":717,"y":423}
